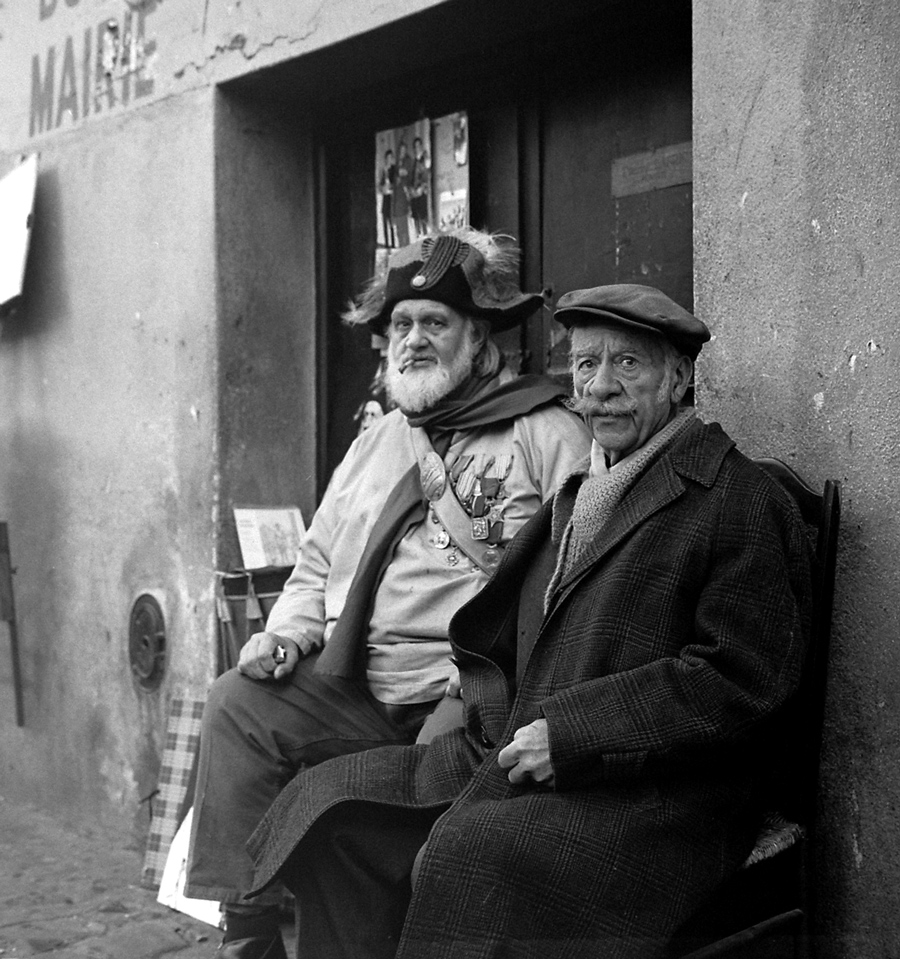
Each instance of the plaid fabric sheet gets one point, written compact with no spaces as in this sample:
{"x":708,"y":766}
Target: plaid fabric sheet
{"x":175,"y":776}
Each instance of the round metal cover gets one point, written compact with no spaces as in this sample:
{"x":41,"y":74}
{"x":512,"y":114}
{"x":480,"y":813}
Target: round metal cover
{"x":147,"y":642}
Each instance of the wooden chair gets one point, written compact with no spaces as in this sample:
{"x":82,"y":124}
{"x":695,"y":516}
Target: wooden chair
{"x":764,"y":911}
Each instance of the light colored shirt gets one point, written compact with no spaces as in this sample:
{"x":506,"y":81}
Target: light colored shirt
{"x":408,"y":649}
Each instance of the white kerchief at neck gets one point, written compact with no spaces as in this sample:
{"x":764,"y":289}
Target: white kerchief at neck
{"x":598,"y":461}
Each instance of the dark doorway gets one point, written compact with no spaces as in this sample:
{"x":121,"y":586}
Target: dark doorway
{"x":579,"y":119}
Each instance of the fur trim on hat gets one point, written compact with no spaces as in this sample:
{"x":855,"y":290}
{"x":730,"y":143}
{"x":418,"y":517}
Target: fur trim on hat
{"x":493,"y":277}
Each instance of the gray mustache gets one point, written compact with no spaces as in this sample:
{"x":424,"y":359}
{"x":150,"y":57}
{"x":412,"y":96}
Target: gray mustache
{"x":585,"y":406}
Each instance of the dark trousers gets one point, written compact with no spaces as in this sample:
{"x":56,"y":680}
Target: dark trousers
{"x":255,"y":736}
{"x":351,"y":879}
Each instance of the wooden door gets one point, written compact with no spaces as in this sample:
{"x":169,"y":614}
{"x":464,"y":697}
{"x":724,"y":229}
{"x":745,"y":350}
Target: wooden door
{"x":579,"y":147}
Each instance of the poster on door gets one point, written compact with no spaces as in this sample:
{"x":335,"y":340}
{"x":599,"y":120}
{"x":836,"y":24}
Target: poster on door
{"x":421,"y":181}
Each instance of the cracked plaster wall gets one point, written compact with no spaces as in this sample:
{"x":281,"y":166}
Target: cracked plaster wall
{"x":137,"y":388}
{"x":108,"y":416}
{"x":174,"y":46}
{"x":797,"y":238}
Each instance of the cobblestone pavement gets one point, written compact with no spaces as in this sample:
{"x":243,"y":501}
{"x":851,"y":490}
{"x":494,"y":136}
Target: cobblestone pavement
{"x":76,"y":894}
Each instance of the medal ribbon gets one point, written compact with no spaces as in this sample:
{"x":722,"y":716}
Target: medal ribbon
{"x":345,"y":652}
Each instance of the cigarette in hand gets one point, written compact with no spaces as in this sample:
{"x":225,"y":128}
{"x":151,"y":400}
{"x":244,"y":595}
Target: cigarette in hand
{"x":280,"y":654}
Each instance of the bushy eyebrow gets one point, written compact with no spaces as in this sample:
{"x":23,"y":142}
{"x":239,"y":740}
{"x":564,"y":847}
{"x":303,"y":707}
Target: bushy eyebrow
{"x":430,"y":315}
{"x":577,"y":354}
{"x":586,"y":352}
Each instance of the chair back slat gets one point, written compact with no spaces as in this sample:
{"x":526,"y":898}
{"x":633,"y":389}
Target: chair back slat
{"x":766,"y":910}
{"x":822,"y":512}
{"x":826,"y":554}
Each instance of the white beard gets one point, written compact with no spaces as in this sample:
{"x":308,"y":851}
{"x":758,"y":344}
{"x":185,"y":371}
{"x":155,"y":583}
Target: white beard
{"x":419,"y":389}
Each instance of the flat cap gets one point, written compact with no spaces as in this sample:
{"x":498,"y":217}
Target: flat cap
{"x":634,"y":305}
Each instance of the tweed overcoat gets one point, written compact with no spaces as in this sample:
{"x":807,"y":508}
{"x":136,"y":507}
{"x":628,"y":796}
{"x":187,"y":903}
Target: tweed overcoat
{"x":662,"y":664}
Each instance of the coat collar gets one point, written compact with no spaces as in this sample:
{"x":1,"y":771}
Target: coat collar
{"x":696,"y":456}
{"x":699,"y":454}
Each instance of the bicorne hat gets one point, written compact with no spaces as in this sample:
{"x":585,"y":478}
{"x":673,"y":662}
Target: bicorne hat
{"x":469,"y":270}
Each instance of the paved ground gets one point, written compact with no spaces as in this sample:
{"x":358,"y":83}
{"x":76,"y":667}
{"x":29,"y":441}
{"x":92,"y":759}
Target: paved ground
{"x":76,"y":894}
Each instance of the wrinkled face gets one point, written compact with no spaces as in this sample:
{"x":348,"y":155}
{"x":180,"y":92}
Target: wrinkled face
{"x":624,"y":385}
{"x":431,"y":348}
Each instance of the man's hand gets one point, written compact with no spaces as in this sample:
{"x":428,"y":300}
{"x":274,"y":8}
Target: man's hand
{"x":268,"y":656}
{"x":528,"y":755}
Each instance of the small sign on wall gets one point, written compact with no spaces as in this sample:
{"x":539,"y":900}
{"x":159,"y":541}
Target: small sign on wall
{"x":670,"y":165}
{"x":268,"y":535}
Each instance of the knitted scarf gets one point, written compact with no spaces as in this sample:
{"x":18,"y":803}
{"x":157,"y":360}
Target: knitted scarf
{"x":599,"y":494}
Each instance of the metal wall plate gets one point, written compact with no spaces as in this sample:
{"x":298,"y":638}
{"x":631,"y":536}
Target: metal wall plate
{"x":147,"y":642}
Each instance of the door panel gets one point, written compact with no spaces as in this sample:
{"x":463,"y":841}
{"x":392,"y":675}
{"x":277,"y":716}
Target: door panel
{"x":579,"y":147}
{"x":619,"y":118}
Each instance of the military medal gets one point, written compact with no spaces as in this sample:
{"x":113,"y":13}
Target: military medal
{"x":495,"y":521}
{"x":452,"y":557}
{"x":504,"y":464}
{"x":432,"y":476}
{"x":459,"y":464}
{"x":490,"y":486}
{"x":465,"y":485}
{"x":441,"y":539}
{"x":491,"y":557}
{"x":480,"y":527}
{"x":478,"y":506}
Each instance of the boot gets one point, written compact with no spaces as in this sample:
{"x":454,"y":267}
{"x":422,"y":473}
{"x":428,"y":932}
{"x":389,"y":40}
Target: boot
{"x":255,"y":948}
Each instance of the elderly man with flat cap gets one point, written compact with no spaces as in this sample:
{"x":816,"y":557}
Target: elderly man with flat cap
{"x":415,"y":519}
{"x":622,"y":673}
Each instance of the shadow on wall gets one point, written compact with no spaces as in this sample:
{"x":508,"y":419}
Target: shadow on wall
{"x":32,"y":507}
{"x":31,"y":500}
{"x":95,"y":747}
{"x":31,"y":503}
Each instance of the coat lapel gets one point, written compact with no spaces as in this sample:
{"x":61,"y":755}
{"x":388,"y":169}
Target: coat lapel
{"x":658,"y":487}
{"x":485,"y":614}
{"x":698,"y":456}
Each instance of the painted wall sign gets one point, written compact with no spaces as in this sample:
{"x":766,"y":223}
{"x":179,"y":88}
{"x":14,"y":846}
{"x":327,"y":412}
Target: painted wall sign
{"x":64,"y":62}
{"x":642,"y":172}
{"x":94,"y":70}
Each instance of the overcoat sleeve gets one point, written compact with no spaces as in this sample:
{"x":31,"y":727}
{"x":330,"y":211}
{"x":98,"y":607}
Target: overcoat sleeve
{"x":738,"y":663}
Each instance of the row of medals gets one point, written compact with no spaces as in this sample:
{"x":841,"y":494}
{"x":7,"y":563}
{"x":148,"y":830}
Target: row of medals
{"x":479,"y":494}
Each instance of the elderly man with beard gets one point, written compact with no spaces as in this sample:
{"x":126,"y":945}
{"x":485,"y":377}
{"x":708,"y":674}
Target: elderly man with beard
{"x":416,"y":517}
{"x":625,"y":676}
